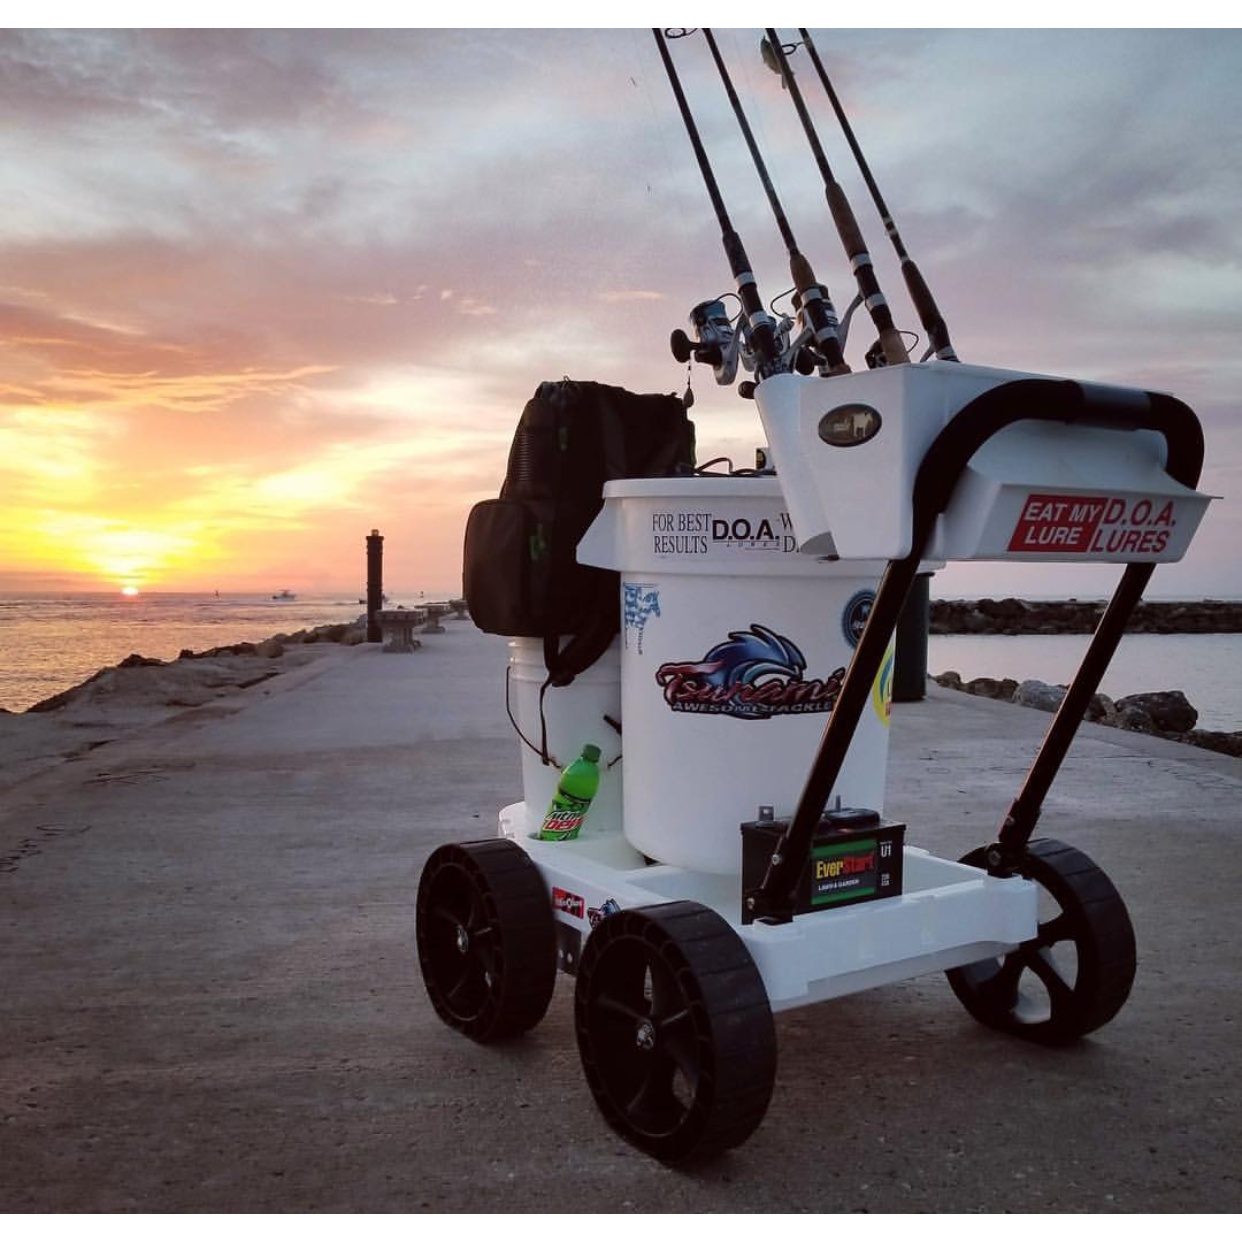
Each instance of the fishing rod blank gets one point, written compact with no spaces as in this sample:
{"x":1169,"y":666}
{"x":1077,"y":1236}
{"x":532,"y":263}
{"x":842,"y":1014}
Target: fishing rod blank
{"x":891,"y":344}
{"x":762,"y":329}
{"x":928,"y":312}
{"x":813,"y":297}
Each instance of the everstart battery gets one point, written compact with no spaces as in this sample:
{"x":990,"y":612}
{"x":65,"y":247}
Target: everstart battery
{"x":855,"y":857}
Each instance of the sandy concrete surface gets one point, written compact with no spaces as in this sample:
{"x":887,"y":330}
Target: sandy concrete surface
{"x":210,"y":999}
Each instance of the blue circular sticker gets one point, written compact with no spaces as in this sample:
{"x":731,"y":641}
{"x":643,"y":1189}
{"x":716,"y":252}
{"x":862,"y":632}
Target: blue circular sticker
{"x":854,"y":618}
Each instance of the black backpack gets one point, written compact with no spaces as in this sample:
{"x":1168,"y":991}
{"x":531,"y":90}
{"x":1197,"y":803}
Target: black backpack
{"x":521,"y":577}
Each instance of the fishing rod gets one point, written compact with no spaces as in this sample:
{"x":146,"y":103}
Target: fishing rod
{"x":761,"y":328}
{"x":891,"y":345}
{"x":928,"y":312}
{"x":814,"y":301}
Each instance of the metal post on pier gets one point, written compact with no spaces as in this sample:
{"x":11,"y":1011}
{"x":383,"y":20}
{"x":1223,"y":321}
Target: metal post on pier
{"x":375,"y":584}
{"x":910,"y":664}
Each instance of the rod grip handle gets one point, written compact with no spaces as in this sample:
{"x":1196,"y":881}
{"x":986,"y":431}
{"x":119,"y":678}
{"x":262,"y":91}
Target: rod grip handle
{"x":843,"y":218}
{"x":800,"y":270}
{"x":894,"y":347}
{"x":925,"y":305}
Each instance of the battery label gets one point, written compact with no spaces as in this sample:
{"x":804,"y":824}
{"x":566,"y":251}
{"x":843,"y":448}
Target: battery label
{"x":846,"y":870}
{"x":1093,"y":525}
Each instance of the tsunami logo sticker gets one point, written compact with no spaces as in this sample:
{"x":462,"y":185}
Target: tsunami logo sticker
{"x":882,"y":689}
{"x":754,"y":674}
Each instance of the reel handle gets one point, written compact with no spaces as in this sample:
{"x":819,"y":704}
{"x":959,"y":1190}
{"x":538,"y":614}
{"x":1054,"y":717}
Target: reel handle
{"x":684,"y":349}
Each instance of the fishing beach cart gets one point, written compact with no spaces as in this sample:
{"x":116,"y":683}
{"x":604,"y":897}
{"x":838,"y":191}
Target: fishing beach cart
{"x":737,"y":860}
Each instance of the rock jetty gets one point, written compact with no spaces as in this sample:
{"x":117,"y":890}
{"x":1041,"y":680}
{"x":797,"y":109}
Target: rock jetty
{"x":1021,"y":616}
{"x":1163,"y":713}
{"x":185,"y":684}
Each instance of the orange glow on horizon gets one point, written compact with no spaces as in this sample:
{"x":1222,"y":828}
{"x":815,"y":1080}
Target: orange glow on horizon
{"x":129,"y":590}
{"x":115,"y":496}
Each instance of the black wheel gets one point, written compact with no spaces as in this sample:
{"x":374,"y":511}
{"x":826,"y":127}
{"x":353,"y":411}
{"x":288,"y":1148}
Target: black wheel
{"x":1076,"y":974}
{"x":675,"y":1030}
{"x":486,"y":938}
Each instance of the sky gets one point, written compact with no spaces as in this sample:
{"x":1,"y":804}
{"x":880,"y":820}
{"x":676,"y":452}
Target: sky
{"x":263,"y":291}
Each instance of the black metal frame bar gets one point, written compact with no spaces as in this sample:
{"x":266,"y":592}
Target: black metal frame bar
{"x":1045,"y":400}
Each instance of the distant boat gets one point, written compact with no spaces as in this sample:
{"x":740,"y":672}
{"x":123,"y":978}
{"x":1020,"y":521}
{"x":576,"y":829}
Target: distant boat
{"x":285,"y":595}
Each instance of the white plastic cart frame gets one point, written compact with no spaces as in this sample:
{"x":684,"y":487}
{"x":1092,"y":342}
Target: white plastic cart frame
{"x":680,"y":970}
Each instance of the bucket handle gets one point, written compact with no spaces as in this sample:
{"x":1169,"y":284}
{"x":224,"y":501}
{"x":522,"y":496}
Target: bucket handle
{"x":542,"y":751}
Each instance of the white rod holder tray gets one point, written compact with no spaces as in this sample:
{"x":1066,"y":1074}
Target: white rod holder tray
{"x":848,"y":449}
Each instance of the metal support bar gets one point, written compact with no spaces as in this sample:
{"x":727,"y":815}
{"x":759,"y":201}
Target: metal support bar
{"x":1024,"y":811}
{"x":773,"y":901}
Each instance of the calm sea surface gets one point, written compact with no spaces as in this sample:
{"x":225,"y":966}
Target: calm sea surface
{"x":1207,"y":668}
{"x":51,"y":642}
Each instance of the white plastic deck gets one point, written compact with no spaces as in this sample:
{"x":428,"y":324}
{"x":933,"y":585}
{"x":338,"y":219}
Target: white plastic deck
{"x":947,"y":915}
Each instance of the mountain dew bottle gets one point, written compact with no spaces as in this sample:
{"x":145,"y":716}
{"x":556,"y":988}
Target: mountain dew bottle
{"x":574,"y":791}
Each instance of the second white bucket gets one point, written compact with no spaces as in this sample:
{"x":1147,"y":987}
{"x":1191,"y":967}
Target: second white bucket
{"x":574,"y":715}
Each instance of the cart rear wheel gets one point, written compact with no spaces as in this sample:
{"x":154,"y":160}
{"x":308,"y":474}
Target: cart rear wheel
{"x":1076,"y":974}
{"x":486,"y":938}
{"x":675,"y":1030}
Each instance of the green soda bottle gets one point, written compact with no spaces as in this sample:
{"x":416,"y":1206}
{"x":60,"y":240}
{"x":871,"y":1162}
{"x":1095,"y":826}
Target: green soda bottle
{"x":572,"y":800}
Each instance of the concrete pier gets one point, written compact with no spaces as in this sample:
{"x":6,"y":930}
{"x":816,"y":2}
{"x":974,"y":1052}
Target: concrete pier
{"x":211,"y":1000}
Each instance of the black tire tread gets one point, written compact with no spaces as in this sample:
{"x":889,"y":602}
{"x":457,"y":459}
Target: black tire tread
{"x":513,"y":889}
{"x":715,"y":964}
{"x":1106,"y":954}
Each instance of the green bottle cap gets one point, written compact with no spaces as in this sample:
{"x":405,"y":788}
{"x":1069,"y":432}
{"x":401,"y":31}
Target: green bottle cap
{"x":591,"y":753}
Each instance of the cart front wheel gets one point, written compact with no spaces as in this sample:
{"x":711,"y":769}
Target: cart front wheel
{"x":675,"y":1031}
{"x":1076,"y":974}
{"x":486,"y":938}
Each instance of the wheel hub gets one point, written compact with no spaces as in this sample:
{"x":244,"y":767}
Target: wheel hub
{"x":645,"y":1036}
{"x":463,"y":940}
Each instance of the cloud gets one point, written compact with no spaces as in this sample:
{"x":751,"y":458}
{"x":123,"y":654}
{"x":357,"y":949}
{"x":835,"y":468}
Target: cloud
{"x":630,"y":295}
{"x":263,"y":287}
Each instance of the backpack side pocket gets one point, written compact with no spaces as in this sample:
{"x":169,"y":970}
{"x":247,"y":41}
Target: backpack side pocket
{"x":504,"y":567}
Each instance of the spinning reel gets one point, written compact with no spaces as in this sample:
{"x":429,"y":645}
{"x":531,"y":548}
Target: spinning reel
{"x":721,"y":342}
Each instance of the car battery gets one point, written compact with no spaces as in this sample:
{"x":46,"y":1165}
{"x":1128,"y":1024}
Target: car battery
{"x":855,"y":857}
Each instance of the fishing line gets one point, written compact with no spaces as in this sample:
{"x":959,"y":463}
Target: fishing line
{"x":762,"y":330}
{"x":814,"y":301}
{"x":640,"y":81}
{"x":890,"y":349}
{"x":920,"y":294}
{"x":752,"y":96}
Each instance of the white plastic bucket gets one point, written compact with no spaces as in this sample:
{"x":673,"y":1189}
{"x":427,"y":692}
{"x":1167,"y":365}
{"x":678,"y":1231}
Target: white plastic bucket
{"x":733,"y":645}
{"x":574,"y":715}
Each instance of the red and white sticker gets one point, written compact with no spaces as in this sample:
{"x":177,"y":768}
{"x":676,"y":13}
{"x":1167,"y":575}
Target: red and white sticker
{"x":1094,"y":525}
{"x":568,"y":903}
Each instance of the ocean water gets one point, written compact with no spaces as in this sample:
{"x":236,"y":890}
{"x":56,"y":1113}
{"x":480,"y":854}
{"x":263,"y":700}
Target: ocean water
{"x":51,"y":642}
{"x":1207,"y":668}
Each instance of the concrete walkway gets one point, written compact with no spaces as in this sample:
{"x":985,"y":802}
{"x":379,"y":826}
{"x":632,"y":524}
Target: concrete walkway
{"x":210,"y":997}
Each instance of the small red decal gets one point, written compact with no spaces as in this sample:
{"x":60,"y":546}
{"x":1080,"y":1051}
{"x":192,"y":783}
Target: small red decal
{"x":568,"y":903}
